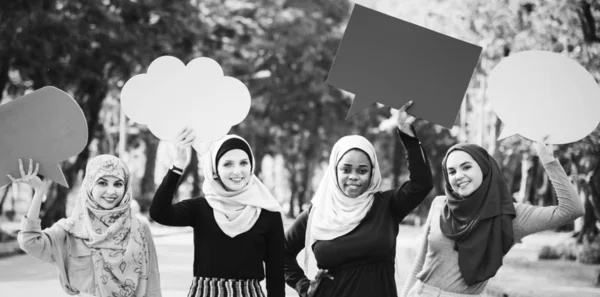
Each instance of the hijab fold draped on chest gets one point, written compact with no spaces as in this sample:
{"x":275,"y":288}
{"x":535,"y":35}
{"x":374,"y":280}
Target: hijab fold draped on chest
{"x":235,"y":211}
{"x":480,"y":224}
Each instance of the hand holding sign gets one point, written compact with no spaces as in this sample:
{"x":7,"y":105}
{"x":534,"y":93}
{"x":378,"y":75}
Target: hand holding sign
{"x":172,"y":96}
{"x":47,"y":126}
{"x":390,"y":61}
{"x":538,"y":93}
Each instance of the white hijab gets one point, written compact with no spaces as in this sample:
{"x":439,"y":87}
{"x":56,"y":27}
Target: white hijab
{"x":334,"y":214}
{"x":235,"y":211}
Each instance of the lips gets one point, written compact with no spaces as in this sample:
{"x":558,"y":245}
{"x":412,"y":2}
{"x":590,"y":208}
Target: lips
{"x":353,"y":186}
{"x":110,"y":199}
{"x":463,"y":184}
{"x":236,"y":179}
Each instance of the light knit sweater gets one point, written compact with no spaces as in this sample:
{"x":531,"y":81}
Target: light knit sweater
{"x":436,"y":263}
{"x":73,"y":258}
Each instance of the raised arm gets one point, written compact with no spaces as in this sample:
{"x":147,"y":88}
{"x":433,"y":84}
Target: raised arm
{"x":42,"y":244}
{"x":274,"y":258}
{"x":410,"y":194}
{"x":162,"y":210}
{"x":531,"y":219}
{"x":294,"y":243}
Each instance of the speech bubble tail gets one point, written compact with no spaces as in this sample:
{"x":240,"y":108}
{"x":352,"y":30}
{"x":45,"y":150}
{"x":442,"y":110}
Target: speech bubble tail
{"x":506,"y":132}
{"x":358,"y":105}
{"x":54,"y":172}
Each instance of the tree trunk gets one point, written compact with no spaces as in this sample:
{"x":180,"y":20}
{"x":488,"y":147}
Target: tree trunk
{"x":4,"y":67}
{"x":532,"y":178}
{"x":588,"y":228}
{"x":148,"y":186}
{"x":588,"y":23}
{"x":591,"y":206}
{"x":294,"y":198}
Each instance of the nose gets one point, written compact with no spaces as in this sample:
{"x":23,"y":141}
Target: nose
{"x":111,"y":190}
{"x":237,"y":170}
{"x":353,"y":177}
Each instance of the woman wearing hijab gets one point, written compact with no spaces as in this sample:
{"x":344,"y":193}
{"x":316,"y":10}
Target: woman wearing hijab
{"x":471,"y":228}
{"x":350,"y":229}
{"x":102,"y":249}
{"x":237,"y":224}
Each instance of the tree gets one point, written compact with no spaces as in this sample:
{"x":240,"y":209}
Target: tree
{"x":87,"y":49}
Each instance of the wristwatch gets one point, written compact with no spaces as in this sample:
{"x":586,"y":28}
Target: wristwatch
{"x":177,"y":169}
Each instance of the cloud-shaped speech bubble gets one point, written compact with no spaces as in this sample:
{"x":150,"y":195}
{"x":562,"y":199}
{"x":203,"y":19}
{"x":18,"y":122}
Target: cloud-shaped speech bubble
{"x":537,"y":93}
{"x":171,"y":96}
{"x":46,"y":125}
{"x":390,"y":61}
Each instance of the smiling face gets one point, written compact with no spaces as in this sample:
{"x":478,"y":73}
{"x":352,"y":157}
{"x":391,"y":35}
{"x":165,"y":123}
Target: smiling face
{"x":354,"y":173}
{"x":464,"y":174}
{"x":108,"y":191}
{"x":234,"y":169}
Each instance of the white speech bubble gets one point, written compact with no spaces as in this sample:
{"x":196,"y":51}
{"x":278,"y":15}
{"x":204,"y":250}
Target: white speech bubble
{"x":172,"y":96}
{"x":538,"y":93}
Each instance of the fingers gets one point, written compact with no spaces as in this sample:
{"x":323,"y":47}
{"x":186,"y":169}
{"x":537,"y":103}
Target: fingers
{"x":21,"y":168}
{"x":30,"y":170}
{"x":322,"y":274}
{"x":183,"y":132}
{"x":187,"y":136}
{"x":189,"y":140}
{"x":544,"y":140}
{"x":37,"y":169}
{"x":12,"y":179}
{"x":409,"y":120}
{"x":405,"y":106}
{"x":187,"y":133}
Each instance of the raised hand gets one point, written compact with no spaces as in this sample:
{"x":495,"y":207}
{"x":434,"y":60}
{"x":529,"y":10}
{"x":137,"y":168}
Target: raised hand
{"x":30,"y":177}
{"x":405,"y":120}
{"x":183,"y":142}
{"x":545,"y":151}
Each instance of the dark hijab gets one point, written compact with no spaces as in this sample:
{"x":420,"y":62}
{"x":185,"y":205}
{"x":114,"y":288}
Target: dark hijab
{"x":480,"y":224}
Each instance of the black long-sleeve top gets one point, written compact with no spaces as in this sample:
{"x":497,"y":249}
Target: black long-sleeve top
{"x":362,"y":261}
{"x":216,"y":254}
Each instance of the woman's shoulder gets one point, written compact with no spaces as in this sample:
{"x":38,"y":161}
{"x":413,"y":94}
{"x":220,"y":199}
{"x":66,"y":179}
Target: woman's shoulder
{"x":270,"y":213}
{"x":438,"y":202}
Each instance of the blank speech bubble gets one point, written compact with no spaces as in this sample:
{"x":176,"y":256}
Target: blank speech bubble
{"x":46,"y":125}
{"x":390,"y":61}
{"x":172,"y":95}
{"x":537,"y":93}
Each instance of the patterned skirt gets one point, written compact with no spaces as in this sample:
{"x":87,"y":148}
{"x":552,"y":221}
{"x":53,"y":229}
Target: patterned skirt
{"x":221,"y":287}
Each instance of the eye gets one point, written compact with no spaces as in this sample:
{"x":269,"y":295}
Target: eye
{"x":364,"y":171}
{"x":466,"y":167}
{"x":119,"y":184}
{"x":102,"y":183}
{"x":244,"y":163}
{"x":345,"y":170}
{"x":228,"y":164}
{"x":451,"y":172}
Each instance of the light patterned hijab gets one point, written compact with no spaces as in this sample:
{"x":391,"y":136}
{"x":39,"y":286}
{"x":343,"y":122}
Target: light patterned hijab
{"x":116,"y":237}
{"x":235,"y":211}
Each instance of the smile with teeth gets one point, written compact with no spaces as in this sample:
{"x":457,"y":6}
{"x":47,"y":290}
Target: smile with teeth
{"x":110,"y":199}
{"x":463,"y":184}
{"x":237,"y":179}
{"x":353,"y":186}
